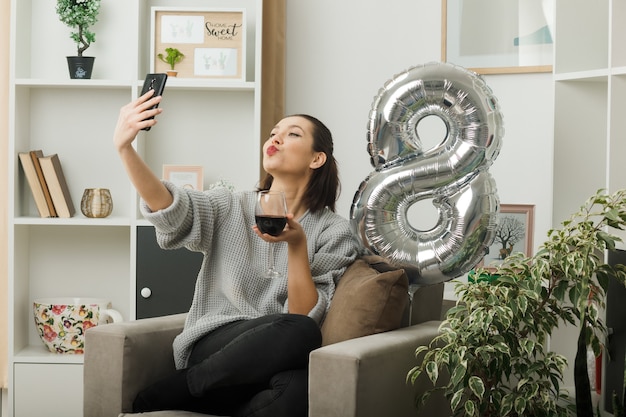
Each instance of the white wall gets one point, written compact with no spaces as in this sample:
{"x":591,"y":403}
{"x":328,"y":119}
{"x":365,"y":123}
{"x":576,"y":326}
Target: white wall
{"x":340,"y":53}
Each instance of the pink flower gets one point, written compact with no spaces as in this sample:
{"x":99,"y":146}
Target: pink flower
{"x":48,"y":333}
{"x":58,"y":309}
{"x":87,"y":325}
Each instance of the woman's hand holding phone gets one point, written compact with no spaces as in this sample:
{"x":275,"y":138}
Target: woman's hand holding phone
{"x":155,"y":82}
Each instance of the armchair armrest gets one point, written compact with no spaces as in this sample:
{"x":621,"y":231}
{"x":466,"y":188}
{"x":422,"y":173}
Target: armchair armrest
{"x":366,"y":377}
{"x":111,"y":380}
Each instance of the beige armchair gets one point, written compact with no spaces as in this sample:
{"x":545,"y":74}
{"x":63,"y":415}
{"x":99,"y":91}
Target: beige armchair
{"x":361,"y":376}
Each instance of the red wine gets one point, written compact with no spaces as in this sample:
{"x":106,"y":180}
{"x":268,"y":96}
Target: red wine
{"x":272,"y":225}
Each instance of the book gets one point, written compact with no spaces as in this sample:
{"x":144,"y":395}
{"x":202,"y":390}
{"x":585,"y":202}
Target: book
{"x":59,"y":191}
{"x":35,"y":155}
{"x":33,"y":182}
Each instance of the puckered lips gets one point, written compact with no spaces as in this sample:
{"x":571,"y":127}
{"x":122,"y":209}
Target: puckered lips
{"x":271,"y":150}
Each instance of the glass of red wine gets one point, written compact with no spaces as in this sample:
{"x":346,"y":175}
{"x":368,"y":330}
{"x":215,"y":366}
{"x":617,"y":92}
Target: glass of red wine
{"x":271,"y":217}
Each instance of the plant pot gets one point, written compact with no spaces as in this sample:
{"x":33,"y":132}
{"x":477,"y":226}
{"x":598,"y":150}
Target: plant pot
{"x":80,"y":66}
{"x":172,"y":73}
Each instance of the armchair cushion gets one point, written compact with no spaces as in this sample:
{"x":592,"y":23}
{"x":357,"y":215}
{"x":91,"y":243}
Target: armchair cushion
{"x":370,"y":298}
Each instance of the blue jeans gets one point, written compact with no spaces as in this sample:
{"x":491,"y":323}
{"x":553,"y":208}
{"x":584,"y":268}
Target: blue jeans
{"x":254,"y":368}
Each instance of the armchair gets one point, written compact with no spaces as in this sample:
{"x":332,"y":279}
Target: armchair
{"x":358,"y":377}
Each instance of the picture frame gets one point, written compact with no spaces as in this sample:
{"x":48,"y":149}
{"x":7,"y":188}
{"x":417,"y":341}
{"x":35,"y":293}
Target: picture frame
{"x":514,"y":233}
{"x":213,"y":41}
{"x":185,"y":176}
{"x":524,"y":43}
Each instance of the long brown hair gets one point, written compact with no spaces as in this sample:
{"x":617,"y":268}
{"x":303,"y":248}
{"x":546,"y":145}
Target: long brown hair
{"x":323,"y":187}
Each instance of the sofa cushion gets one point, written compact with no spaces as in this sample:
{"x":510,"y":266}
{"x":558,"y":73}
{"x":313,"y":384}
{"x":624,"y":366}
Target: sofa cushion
{"x":370,"y":298}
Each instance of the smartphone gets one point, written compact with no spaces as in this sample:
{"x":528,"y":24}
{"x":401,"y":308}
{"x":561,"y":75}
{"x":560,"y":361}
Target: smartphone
{"x":154,"y":82}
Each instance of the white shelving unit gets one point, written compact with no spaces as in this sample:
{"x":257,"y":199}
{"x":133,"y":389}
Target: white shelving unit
{"x":590,"y":101}
{"x":589,"y":124}
{"x":213,"y":123}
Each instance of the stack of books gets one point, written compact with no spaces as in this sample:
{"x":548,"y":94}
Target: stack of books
{"x":47,"y":183}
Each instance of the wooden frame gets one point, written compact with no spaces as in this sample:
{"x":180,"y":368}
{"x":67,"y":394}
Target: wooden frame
{"x":212,"y":40}
{"x":515,"y":228}
{"x":185,"y":176}
{"x":468,"y":40}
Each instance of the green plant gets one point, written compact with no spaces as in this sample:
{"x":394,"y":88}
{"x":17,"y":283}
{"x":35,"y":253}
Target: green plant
{"x":79,"y":15}
{"x":492,"y":343}
{"x":173,"y":57}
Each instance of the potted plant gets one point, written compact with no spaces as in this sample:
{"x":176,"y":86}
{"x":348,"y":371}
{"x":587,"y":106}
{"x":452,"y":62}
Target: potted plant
{"x":492,"y":343}
{"x":79,"y":15}
{"x":173,"y":56}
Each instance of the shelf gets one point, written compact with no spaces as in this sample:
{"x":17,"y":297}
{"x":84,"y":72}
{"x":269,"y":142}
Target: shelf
{"x":78,"y":220}
{"x":66,"y":83}
{"x":40,"y":354}
{"x":206,"y":84}
{"x":599,"y":75}
{"x":172,"y":82}
{"x":618,"y":71}
{"x":143,"y":222}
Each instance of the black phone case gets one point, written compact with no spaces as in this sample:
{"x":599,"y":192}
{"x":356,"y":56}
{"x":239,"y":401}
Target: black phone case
{"x":154,"y":82}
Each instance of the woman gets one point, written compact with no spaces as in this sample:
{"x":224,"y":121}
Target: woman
{"x":246,"y":341}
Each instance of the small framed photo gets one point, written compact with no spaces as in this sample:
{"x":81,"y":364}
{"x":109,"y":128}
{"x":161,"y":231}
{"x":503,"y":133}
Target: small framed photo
{"x":185,"y":176}
{"x":213,"y":41}
{"x":514,"y":233}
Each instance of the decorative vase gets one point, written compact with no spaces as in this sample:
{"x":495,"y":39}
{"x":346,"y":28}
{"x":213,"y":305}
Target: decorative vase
{"x":80,"y":66}
{"x":96,"y":203}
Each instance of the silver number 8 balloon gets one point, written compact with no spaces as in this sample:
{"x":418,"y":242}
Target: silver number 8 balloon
{"x":453,"y":174}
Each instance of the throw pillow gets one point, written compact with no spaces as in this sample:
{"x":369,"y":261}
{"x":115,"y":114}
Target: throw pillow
{"x":370,"y":298}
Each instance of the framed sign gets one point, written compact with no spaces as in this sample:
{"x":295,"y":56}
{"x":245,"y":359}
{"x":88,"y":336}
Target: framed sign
{"x":185,"y":176}
{"x":514,"y":233}
{"x":498,"y":36}
{"x":213,"y":41}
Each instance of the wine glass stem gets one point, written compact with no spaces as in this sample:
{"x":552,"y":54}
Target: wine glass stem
{"x":270,"y":257}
